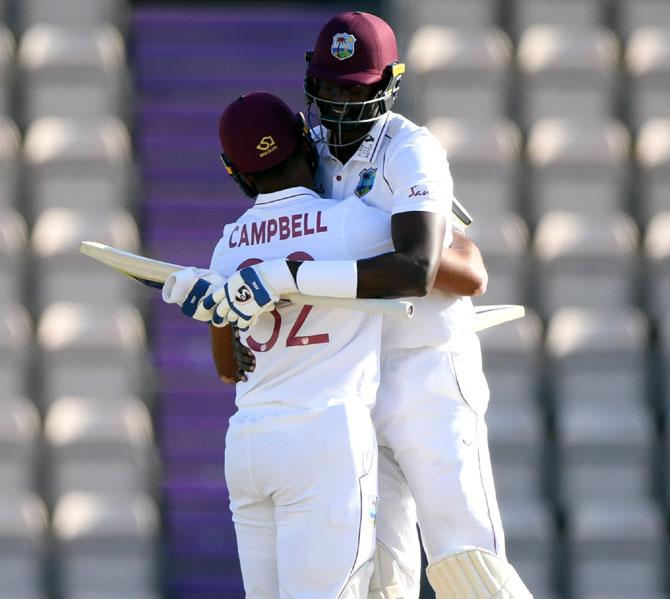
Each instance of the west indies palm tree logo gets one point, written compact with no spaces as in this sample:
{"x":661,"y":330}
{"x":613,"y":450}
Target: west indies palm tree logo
{"x":343,"y":46}
{"x":366,"y":181}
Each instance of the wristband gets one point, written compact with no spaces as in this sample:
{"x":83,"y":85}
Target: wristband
{"x":277,"y":275}
{"x":329,"y":278}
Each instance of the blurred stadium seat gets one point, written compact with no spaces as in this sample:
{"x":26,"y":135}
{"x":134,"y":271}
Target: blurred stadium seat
{"x":73,"y":13}
{"x":63,"y":274}
{"x":605,"y":450}
{"x":657,"y":255}
{"x":23,"y":545}
{"x":10,"y":163}
{"x":5,"y":9}
{"x":586,"y":261}
{"x":84,"y":354}
{"x":7,"y":70}
{"x":512,"y":361}
{"x":463,"y":14}
{"x":598,"y":363}
{"x":72,"y":72}
{"x":653,"y":160}
{"x":529,"y":540}
{"x":82,"y":164}
{"x":647,"y":60}
{"x":100,"y":446}
{"x":617,"y":551}
{"x":575,"y":14}
{"x":106,"y":544}
{"x":461,"y":73}
{"x":13,"y":255}
{"x":72,"y":179}
{"x":567,"y":72}
{"x":484,"y":161}
{"x":16,"y":345}
{"x":516,"y":437}
{"x":642,"y":13}
{"x":577,"y":165}
{"x":19,"y":445}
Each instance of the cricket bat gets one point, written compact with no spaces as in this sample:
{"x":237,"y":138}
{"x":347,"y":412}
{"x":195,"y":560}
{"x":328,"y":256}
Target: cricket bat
{"x":494,"y":315}
{"x":154,"y":274}
{"x":464,"y":220}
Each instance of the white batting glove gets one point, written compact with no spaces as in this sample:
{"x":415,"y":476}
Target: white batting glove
{"x":250,"y":292}
{"x":187,"y":288}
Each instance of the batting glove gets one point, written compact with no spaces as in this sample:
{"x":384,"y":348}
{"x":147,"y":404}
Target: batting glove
{"x":187,"y":288}
{"x":250,"y":292}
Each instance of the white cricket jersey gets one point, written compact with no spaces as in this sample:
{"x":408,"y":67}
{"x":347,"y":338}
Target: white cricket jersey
{"x":307,"y":357}
{"x":401,"y":167}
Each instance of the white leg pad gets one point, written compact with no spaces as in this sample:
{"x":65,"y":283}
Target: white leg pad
{"x":357,"y":585}
{"x":386,"y":581}
{"x":475,"y":574}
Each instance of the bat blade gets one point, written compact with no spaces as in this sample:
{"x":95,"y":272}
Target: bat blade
{"x":145,"y":270}
{"x":461,"y":213}
{"x":492,"y":316}
{"x":154,"y":274}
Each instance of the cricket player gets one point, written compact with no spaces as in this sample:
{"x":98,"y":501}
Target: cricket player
{"x":434,"y":463}
{"x":301,"y":452}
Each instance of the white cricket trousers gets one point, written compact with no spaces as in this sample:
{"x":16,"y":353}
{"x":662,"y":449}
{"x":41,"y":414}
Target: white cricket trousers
{"x":303,"y":493}
{"x":434,"y":463}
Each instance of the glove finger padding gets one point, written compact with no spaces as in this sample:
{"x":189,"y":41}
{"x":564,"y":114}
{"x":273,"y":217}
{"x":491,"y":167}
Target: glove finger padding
{"x":192,"y":306}
{"x":215,"y":302}
{"x":188,"y":288}
{"x":250,"y":292}
{"x":245,"y":298}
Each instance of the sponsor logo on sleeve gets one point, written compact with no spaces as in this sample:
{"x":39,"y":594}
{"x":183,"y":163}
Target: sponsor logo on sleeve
{"x":417,"y":191}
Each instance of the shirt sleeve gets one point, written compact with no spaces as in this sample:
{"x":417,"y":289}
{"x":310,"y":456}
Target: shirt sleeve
{"x":217,"y":263}
{"x":417,"y":171}
{"x":366,"y":231}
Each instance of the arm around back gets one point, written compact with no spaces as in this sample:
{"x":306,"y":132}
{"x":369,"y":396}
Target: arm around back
{"x":462,"y":270}
{"x":227,"y":365}
{"x":410,"y":270}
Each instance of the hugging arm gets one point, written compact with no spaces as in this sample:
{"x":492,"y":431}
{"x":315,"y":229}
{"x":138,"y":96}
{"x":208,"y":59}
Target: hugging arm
{"x":411,"y":269}
{"x":462,"y":270}
{"x":231,"y":358}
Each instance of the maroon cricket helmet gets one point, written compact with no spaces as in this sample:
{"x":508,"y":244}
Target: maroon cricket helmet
{"x":353,"y":48}
{"x":258,"y":131}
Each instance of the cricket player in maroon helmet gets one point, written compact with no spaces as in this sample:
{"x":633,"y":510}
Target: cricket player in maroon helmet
{"x":434,"y":464}
{"x":301,"y":451}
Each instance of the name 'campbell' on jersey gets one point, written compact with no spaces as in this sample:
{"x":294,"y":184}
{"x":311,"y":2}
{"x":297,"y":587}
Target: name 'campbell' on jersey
{"x":300,"y":348}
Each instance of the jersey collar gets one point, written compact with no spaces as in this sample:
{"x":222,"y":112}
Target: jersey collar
{"x":290,"y":193}
{"x":367,"y":151}
{"x":369,"y":148}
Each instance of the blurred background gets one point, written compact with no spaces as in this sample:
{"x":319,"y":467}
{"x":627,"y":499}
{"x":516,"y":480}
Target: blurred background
{"x":556,"y":118}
